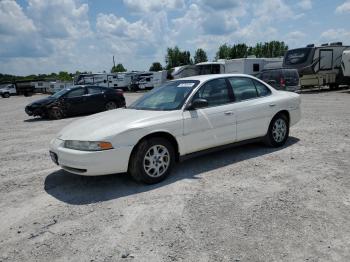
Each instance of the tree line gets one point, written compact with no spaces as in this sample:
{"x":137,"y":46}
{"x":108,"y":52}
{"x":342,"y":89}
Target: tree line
{"x":175,"y":57}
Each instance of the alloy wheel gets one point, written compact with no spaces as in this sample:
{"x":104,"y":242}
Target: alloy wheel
{"x":279,"y":130}
{"x":156,"y":161}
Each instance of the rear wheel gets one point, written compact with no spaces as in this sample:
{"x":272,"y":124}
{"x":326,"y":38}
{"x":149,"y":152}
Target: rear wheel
{"x":111,"y":105}
{"x":278,"y":132}
{"x":152,"y":160}
{"x":6,"y":95}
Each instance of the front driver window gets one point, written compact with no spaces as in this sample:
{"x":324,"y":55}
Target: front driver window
{"x":93,"y":90}
{"x":76,"y":92}
{"x":215,"y":92}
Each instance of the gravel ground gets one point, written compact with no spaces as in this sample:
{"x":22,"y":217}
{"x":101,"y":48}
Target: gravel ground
{"x":249,"y":203}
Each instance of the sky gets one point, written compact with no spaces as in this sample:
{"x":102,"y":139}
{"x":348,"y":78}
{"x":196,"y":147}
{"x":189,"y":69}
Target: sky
{"x":44,"y":36}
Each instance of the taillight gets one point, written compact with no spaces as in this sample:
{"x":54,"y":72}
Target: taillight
{"x":119,"y":91}
{"x":282,"y":82}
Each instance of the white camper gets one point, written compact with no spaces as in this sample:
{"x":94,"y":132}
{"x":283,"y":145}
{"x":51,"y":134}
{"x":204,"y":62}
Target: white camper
{"x":345,"y":64}
{"x":113,"y":80}
{"x":318,"y":65}
{"x":57,"y":86}
{"x":148,"y":80}
{"x":250,"y":66}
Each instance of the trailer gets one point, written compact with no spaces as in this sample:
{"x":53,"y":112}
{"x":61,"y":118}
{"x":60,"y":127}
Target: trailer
{"x":250,"y":66}
{"x":113,"y":80}
{"x":148,"y":80}
{"x":323,"y":65}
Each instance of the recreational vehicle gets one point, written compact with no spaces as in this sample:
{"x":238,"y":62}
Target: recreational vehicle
{"x":148,"y":80}
{"x":345,"y":64}
{"x":319,"y":65}
{"x":113,"y":80}
{"x":250,"y":66}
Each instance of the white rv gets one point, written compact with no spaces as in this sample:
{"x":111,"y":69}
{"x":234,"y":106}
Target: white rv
{"x":57,"y":86}
{"x":250,"y":66}
{"x":113,"y":80}
{"x":319,"y":65}
{"x":148,"y":80}
{"x":184,"y":71}
{"x":345,"y":64}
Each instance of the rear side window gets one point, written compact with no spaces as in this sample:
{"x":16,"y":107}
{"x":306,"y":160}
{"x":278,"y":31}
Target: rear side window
{"x":76,"y":92}
{"x":261,"y":89}
{"x":243,"y":88}
{"x":94,"y":90}
{"x":216,"y":92}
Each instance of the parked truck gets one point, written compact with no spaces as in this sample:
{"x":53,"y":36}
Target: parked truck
{"x":19,"y":88}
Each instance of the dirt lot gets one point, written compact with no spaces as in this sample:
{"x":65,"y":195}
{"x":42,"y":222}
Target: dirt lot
{"x":248,"y":203}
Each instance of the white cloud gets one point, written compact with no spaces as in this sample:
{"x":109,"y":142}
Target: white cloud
{"x":13,"y":20}
{"x":121,"y":28}
{"x":60,"y":19}
{"x":221,"y":4}
{"x":274,"y":9}
{"x":305,"y":4}
{"x":343,"y":8}
{"x":153,"y":5}
{"x":336,"y":34}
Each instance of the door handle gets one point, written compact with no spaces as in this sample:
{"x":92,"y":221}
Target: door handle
{"x":272,"y":105}
{"x":228,"y":113}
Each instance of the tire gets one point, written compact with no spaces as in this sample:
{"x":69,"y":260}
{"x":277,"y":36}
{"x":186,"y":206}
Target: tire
{"x":147,"y":166}
{"x":278,"y":132}
{"x":111,"y":105}
{"x":55,"y":113}
{"x":6,"y":95}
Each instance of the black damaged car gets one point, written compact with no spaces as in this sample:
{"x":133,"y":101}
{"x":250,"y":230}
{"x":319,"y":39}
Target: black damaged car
{"x":77,"y":100}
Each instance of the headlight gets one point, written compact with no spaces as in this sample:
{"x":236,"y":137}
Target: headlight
{"x":87,"y":145}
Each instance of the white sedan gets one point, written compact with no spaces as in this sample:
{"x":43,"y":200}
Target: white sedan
{"x":180,"y":119}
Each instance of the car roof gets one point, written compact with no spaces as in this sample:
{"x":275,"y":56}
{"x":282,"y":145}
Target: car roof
{"x":203,"y":78}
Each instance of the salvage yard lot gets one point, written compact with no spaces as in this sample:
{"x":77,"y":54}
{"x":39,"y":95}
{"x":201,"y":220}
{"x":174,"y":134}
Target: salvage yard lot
{"x":248,"y":203}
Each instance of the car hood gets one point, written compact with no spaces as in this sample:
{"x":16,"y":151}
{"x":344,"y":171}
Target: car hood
{"x":111,"y":123}
{"x":42,"y":102}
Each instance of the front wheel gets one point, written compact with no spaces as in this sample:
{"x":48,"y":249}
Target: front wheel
{"x":6,"y":95}
{"x":152,"y":160}
{"x":55,"y":113}
{"x":278,"y":132}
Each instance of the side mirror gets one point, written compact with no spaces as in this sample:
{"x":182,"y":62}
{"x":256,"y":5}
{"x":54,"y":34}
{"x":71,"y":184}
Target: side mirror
{"x":198,"y":103}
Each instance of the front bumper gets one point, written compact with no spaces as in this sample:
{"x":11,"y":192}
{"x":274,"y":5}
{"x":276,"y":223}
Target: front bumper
{"x":34,"y":111}
{"x":89,"y":163}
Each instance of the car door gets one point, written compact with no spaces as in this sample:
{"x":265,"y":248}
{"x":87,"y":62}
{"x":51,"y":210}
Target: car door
{"x":253,"y":107}
{"x":95,"y":100}
{"x":214,"y":125}
{"x":75,"y":101}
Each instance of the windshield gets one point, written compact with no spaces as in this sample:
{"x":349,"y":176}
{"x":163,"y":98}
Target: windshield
{"x":170,"y":96}
{"x":60,"y":93}
{"x":297,"y":56}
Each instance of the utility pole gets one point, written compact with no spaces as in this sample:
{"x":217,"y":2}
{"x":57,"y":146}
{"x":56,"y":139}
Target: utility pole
{"x":113,"y":62}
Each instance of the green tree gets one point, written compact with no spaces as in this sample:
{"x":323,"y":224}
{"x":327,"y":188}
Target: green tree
{"x":156,"y":66}
{"x":118,"y":68}
{"x":64,"y":76}
{"x":224,"y":52}
{"x":200,"y":56}
{"x":176,"y":57}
